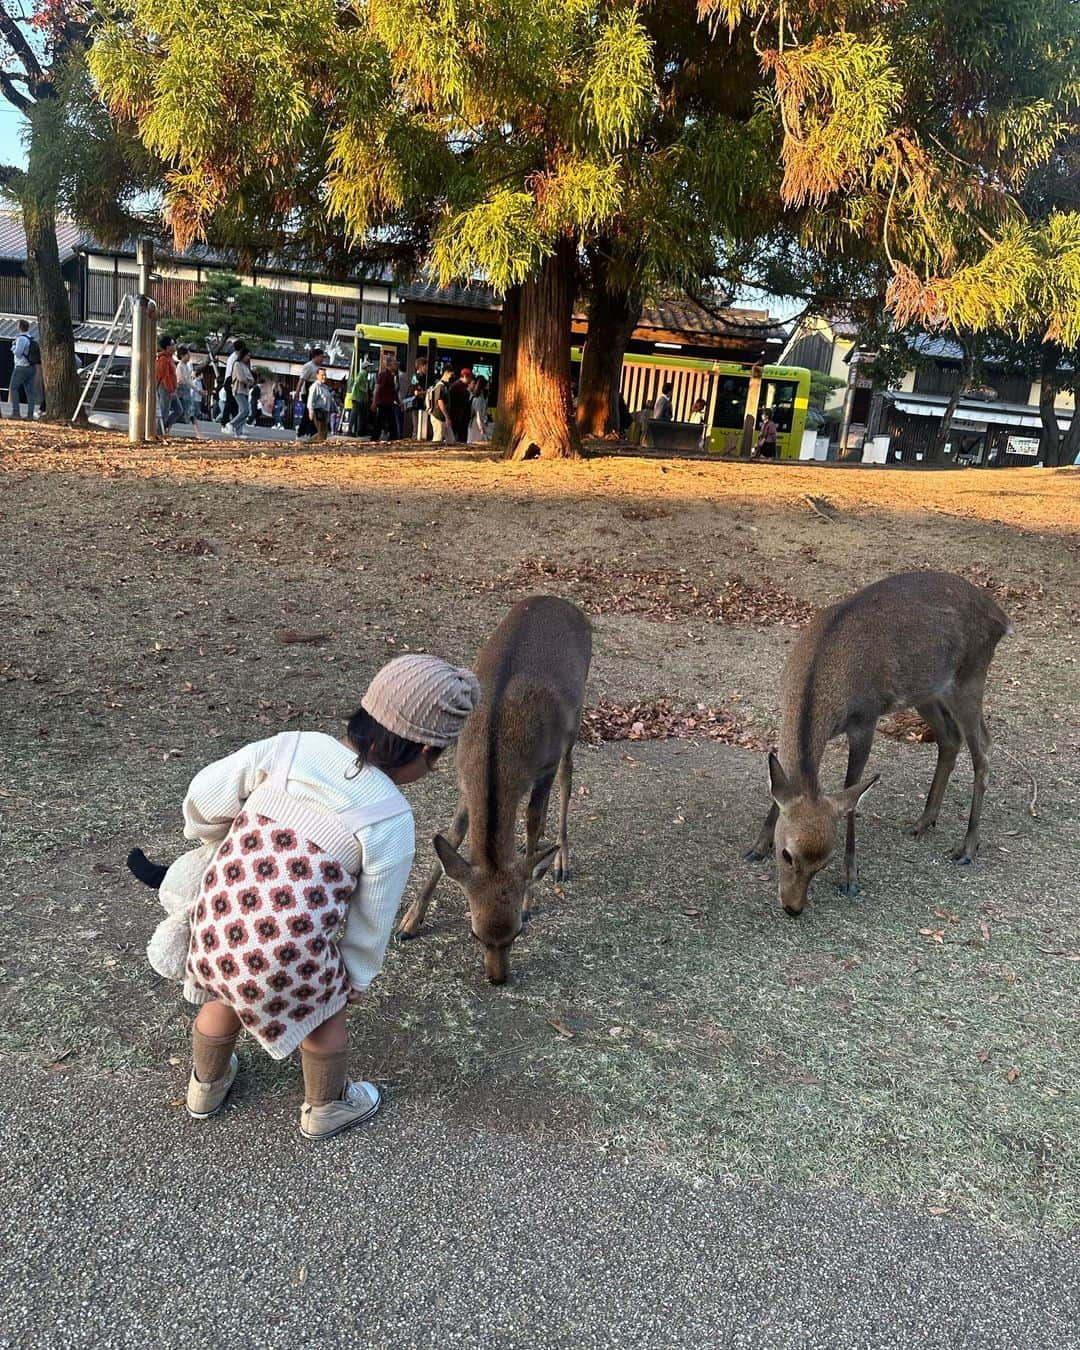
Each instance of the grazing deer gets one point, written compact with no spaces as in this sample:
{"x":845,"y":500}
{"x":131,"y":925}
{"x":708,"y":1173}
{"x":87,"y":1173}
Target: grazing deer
{"x":921,"y":640}
{"x":532,"y":673}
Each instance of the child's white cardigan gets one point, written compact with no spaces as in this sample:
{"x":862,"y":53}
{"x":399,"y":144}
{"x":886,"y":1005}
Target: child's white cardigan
{"x":217,"y":794}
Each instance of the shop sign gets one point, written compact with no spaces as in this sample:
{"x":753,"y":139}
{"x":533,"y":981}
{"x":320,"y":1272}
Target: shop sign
{"x":1024,"y":445}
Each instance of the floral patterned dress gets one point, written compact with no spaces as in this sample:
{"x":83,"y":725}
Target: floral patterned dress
{"x":271,"y":904}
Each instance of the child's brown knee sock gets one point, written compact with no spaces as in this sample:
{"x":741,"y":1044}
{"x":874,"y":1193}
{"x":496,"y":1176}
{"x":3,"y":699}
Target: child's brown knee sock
{"x":211,"y":1054}
{"x":324,"y":1075}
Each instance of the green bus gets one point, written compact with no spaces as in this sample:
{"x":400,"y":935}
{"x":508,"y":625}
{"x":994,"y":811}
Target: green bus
{"x":725,"y":388}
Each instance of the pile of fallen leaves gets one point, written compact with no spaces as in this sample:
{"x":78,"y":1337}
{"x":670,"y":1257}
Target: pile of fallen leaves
{"x":661,"y":595}
{"x":906,"y":726}
{"x":661,"y":720}
{"x":1002,"y":591}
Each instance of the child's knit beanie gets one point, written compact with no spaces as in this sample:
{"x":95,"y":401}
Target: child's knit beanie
{"x":422,"y":698}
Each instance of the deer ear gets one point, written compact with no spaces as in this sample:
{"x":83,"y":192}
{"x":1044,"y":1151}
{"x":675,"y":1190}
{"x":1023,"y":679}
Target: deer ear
{"x":847,"y":799}
{"x":778,"y":783}
{"x":454,"y":865}
{"x":536,"y":864}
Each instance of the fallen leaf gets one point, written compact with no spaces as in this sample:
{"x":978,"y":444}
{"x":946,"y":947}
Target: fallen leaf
{"x":984,"y":929}
{"x":808,"y":1080}
{"x":566,"y":1031}
{"x":103,"y":868}
{"x":692,"y":913}
{"x":290,"y":635}
{"x":1012,"y":1075}
{"x":937,"y":1210}
{"x":983,"y":1056}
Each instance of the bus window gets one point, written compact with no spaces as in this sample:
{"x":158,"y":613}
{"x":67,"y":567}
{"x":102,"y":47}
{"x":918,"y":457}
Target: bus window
{"x":731,"y":400}
{"x":779,"y":398}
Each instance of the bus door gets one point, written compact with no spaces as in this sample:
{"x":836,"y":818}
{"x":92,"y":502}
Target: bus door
{"x":779,"y":397}
{"x":729,"y":409}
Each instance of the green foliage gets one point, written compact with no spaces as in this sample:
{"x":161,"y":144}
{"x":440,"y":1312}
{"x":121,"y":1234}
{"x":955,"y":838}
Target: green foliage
{"x":224,"y":308}
{"x":483,"y":131}
{"x":821,"y":386}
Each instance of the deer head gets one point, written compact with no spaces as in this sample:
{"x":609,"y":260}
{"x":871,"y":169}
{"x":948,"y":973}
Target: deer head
{"x":805,"y":837}
{"x":496,"y":898}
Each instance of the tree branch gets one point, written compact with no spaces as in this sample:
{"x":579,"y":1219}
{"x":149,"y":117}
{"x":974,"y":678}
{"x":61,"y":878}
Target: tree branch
{"x":13,"y":96}
{"x":16,"y":40}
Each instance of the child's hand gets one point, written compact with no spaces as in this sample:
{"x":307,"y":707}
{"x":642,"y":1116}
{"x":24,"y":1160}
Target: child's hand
{"x":355,"y":995}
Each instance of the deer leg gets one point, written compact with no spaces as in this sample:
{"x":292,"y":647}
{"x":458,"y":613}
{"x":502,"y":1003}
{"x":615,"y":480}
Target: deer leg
{"x":535,"y":819}
{"x":566,"y":777}
{"x":977,"y":735}
{"x":409,"y":927}
{"x":763,"y":844}
{"x":860,"y":739}
{"x":948,"y":737}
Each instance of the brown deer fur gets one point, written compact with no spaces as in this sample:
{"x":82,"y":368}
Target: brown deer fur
{"x":920,"y":640}
{"x":532,"y":673}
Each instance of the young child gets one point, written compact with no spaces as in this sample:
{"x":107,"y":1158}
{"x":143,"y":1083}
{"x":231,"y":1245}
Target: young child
{"x":306,"y":846}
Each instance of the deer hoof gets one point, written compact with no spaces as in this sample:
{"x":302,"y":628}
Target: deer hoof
{"x":752,"y":855}
{"x":403,"y":935}
{"x":915,"y":829}
{"x":850,"y":889}
{"x":963,"y":855}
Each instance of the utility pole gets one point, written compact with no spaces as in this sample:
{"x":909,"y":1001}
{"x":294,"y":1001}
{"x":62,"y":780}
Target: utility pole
{"x":142,"y":404}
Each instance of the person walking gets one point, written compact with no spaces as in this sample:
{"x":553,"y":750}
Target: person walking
{"x":278,"y":408}
{"x":320,"y":404}
{"x":308,"y":374}
{"x":386,"y":401}
{"x":24,"y":375}
{"x":459,"y":402}
{"x":281,"y":917}
{"x":243,"y":381}
{"x":765,"y":447}
{"x":478,"y":411}
{"x":169,"y":408}
{"x":185,"y":389}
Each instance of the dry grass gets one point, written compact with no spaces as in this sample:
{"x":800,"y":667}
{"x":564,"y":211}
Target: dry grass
{"x":163,"y":606}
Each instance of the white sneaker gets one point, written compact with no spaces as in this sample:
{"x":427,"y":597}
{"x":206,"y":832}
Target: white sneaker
{"x":207,"y":1099}
{"x":359,"y":1102}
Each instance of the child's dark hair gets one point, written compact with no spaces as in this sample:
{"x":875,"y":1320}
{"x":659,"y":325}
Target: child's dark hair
{"x":381,"y":748}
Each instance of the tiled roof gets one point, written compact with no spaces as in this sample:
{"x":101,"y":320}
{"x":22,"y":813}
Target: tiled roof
{"x":686,"y":316}
{"x":673,"y":316}
{"x":13,"y":237}
{"x":467,"y":297}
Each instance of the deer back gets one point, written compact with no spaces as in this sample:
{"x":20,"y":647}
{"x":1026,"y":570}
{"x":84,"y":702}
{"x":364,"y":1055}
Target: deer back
{"x":532,"y":673}
{"x":906,"y":640}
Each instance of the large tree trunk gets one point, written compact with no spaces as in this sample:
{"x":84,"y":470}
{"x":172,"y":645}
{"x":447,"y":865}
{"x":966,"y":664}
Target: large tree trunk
{"x":539,"y":421}
{"x":613,"y":316}
{"x":936,"y":451}
{"x":1070,"y":442}
{"x":1051,"y":437}
{"x":507,"y":405}
{"x":56,"y":335}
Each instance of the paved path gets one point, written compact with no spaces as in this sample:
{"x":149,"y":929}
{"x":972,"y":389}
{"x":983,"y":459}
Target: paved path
{"x":124,"y":1224}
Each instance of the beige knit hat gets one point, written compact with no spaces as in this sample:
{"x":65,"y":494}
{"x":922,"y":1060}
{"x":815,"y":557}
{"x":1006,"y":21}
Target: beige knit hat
{"x":422,"y":698}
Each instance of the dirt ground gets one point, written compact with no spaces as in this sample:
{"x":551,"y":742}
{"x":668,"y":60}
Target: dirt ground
{"x":162,"y":606}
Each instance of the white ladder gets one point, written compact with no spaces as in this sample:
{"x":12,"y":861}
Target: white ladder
{"x":119,"y":332}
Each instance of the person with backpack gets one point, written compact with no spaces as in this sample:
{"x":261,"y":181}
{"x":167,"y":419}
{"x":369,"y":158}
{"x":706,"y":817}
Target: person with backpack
{"x":27,"y":354}
{"x":438,"y":407}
